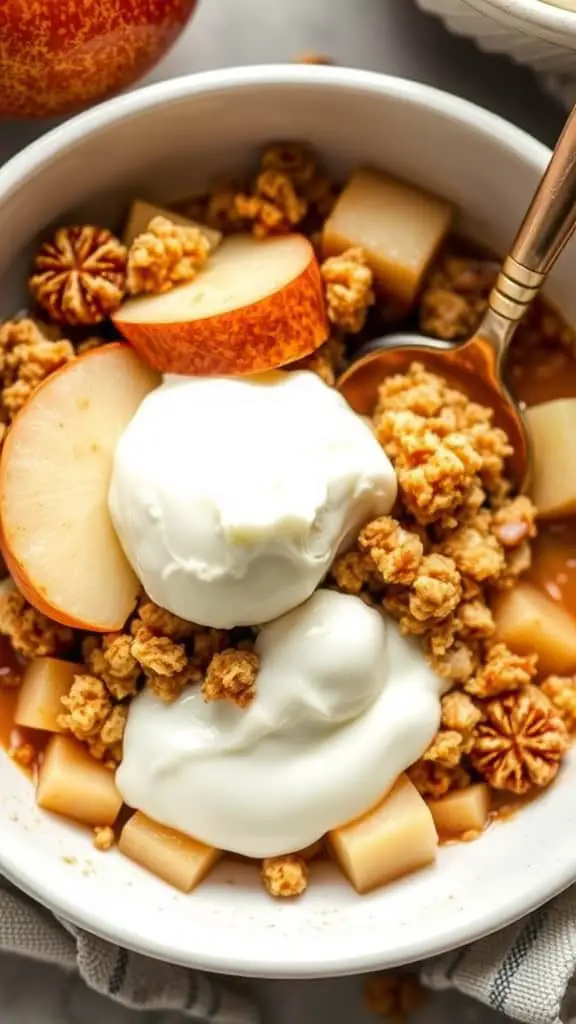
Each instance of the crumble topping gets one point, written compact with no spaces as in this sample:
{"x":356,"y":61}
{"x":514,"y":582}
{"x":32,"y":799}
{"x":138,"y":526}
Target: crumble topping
{"x":286,"y":875}
{"x":460,"y":713}
{"x":561,"y":691}
{"x":446,"y":748}
{"x":27,"y":357}
{"x":396,"y":553}
{"x":519,"y":742}
{"x":79,"y":275}
{"x":456,"y":296}
{"x":158,"y":620}
{"x":349,"y":290}
{"x":289,"y":191}
{"x":104,"y":837}
{"x":502,"y":671}
{"x":394,"y":995}
{"x":274,"y":206}
{"x":165,"y":255}
{"x":231,"y":676}
{"x":352,"y":571}
{"x":436,"y":590}
{"x":158,"y":654}
{"x":31,"y":633}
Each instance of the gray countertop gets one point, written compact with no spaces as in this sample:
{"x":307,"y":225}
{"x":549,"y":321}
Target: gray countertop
{"x":383,"y":35}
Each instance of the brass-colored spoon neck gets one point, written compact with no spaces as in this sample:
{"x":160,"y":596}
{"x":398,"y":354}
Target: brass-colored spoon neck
{"x":515,"y":289}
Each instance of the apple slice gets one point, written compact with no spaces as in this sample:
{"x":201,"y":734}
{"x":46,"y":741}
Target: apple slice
{"x":256,"y":305}
{"x":57,"y":536}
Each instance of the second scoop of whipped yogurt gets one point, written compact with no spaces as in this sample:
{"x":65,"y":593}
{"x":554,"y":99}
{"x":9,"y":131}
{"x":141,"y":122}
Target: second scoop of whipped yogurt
{"x":343,"y":705}
{"x":232,"y":496}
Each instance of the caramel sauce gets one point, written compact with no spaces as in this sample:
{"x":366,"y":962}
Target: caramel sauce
{"x":13,"y":736}
{"x":536,"y":376}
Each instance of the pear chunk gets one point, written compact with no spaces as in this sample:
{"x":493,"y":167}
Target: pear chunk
{"x":394,"y":838}
{"x":178,"y":859}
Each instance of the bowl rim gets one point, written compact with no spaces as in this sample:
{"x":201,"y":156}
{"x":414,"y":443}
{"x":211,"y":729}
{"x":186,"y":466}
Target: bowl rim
{"x":539,"y":14}
{"x":28,"y":164}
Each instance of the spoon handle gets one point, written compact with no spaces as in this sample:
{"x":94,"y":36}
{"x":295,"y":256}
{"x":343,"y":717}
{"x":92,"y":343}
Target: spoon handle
{"x":545,"y":230}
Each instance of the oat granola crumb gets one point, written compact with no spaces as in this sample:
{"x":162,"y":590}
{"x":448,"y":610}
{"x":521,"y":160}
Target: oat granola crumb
{"x":275,"y":207}
{"x":104,"y":837}
{"x":459,"y":712}
{"x":502,"y":672}
{"x":87,"y":707}
{"x":349,"y":289}
{"x":394,"y":995}
{"x":436,"y":590}
{"x":396,"y":553}
{"x":80,"y":274}
{"x":169,"y":688}
{"x":158,"y":654}
{"x":455,"y":296}
{"x":458,"y":664}
{"x":561,"y":691}
{"x":446,"y":749}
{"x":165,"y":255}
{"x":231,"y":675}
{"x":520,"y":741}
{"x":476,"y":553}
{"x":514,"y":522}
{"x":31,"y":633}
{"x":158,"y":620}
{"x":23,"y":754}
{"x":352,"y":571}
{"x":285,"y":876}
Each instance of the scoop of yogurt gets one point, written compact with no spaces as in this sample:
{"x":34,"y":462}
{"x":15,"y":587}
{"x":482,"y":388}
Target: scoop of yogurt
{"x":232,"y":496}
{"x":343,"y":705}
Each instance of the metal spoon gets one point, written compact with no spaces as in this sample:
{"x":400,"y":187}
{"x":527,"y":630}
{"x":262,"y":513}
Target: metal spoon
{"x":478,"y":364}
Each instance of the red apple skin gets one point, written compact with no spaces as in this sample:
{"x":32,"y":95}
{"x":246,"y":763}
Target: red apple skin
{"x":57,"y":56}
{"x":275,"y":331}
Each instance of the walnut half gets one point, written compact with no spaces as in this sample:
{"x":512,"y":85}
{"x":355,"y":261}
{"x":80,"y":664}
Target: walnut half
{"x":80,"y":274}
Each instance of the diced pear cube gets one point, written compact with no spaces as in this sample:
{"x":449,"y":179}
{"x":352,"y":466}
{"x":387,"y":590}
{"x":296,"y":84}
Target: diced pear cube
{"x":399,"y":226}
{"x":395,"y":837}
{"x":142,"y":212}
{"x":464,"y":810}
{"x":72,"y":783}
{"x":45,"y":682}
{"x":553,"y":429}
{"x":531,"y":623}
{"x":178,"y":859}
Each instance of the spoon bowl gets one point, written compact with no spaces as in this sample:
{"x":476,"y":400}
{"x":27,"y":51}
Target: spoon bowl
{"x":478,"y":365}
{"x":472,"y":366}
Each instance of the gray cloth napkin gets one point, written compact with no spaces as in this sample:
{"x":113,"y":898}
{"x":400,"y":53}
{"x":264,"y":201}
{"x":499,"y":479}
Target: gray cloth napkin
{"x":128,"y":978}
{"x":524,"y":970}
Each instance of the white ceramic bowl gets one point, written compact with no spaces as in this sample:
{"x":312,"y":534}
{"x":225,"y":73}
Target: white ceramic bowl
{"x":163,"y":141}
{"x":533,"y":32}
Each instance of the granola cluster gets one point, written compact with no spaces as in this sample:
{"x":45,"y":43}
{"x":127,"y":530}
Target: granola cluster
{"x":457,"y":539}
{"x":165,"y":255}
{"x":349,"y":289}
{"x":159,"y":650}
{"x":290,"y":191}
{"x":27,"y":357}
{"x":31,"y":633}
{"x":285,"y":876}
